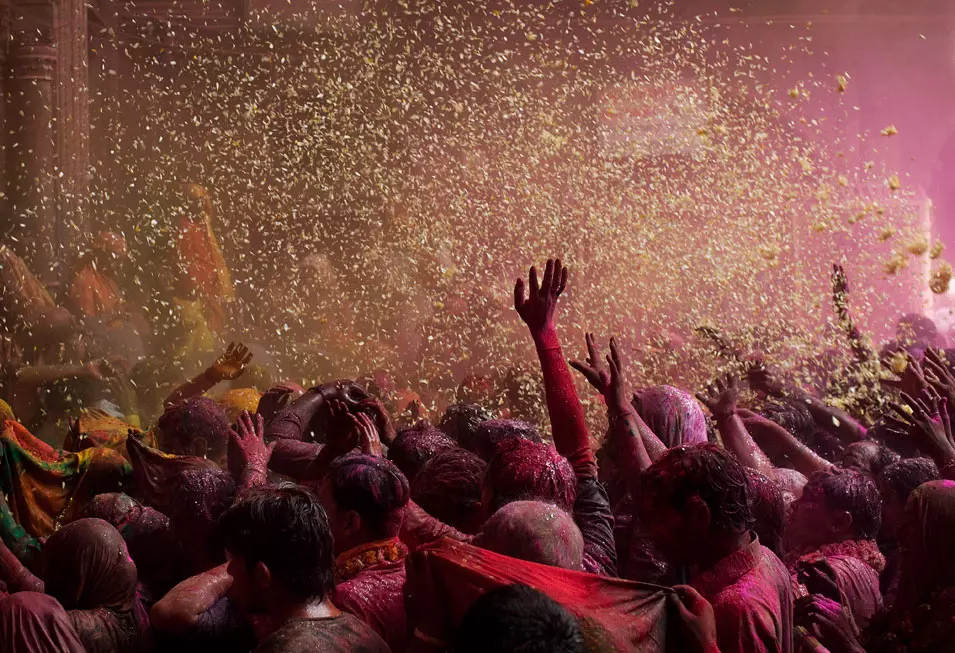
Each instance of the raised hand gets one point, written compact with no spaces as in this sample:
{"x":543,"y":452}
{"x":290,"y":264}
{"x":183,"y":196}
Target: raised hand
{"x":230,"y":365}
{"x":911,"y":379}
{"x":248,"y":457}
{"x":341,"y":436}
{"x":762,"y":379}
{"x":593,"y":368}
{"x":368,"y":440}
{"x":617,"y":393}
{"x":927,"y":419}
{"x":840,"y":284}
{"x":721,"y":397}
{"x":939,"y":376}
{"x":537,"y":309}
{"x":375,"y":409}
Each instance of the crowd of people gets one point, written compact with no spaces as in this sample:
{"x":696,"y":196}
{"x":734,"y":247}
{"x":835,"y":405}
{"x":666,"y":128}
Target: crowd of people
{"x":753,"y":516}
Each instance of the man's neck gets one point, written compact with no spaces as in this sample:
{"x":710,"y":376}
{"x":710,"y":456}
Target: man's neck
{"x":282,"y":613}
{"x":720,"y":547}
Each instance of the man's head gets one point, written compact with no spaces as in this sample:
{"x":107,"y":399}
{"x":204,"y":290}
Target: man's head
{"x":449,"y":488}
{"x":461,"y":421}
{"x":868,"y":457}
{"x":835,"y":506}
{"x":415,"y":446}
{"x":516,"y":619}
{"x":522,"y":470}
{"x":534,"y":531}
{"x":896,"y":482}
{"x":692,"y":495}
{"x":495,"y":431}
{"x":364,"y":498}
{"x":279,"y":548}
{"x":197,"y":427}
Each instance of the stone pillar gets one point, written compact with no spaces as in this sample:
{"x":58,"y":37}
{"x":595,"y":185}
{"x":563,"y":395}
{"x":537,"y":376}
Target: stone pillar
{"x":31,"y":97}
{"x":71,"y":125}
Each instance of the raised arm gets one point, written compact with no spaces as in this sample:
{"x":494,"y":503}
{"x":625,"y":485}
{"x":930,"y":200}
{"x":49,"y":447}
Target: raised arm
{"x":229,"y":366}
{"x":782,"y":446}
{"x":598,"y":374}
{"x":571,"y":436}
{"x":248,"y":457}
{"x":927,"y":420}
{"x":721,"y":398}
{"x":826,"y":417}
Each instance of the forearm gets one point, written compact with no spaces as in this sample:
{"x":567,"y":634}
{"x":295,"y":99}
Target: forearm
{"x":738,"y":441}
{"x":777,"y":441}
{"x":191,"y":389}
{"x":291,"y":423}
{"x":568,"y":425}
{"x":182,"y":606}
{"x":38,"y":375}
{"x":16,"y":576}
{"x":829,"y":417}
{"x":294,"y":459}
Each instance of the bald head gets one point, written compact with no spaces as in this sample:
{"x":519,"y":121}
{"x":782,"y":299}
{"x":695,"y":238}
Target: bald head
{"x":534,"y":531}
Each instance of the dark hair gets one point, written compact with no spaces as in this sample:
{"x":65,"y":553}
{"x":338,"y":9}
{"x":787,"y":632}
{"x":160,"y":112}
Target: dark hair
{"x":854,"y":492}
{"x":202,"y":494}
{"x":869,"y":465}
{"x":792,"y":415}
{"x":492,"y":432}
{"x":768,"y":509}
{"x":286,"y":529}
{"x":373,"y":487}
{"x":449,"y":488}
{"x":461,"y":421}
{"x":517,"y":618}
{"x":523,"y":470}
{"x":416,"y":445}
{"x":195,"y":418}
{"x":708,"y":472}
{"x":905,"y":475}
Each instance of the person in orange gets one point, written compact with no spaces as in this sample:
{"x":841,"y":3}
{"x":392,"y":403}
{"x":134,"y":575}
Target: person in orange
{"x":202,"y":272}
{"x":94,"y":292}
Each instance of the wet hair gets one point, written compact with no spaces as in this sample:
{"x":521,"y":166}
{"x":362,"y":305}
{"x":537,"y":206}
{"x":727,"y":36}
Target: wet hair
{"x":902,"y":477}
{"x":492,"y":432}
{"x":202,"y":494}
{"x":461,"y":421}
{"x":286,"y":529}
{"x":881,"y":457}
{"x":854,"y":492}
{"x":518,"y":618}
{"x":449,"y":488}
{"x":413,"y":447}
{"x":792,"y":415}
{"x":706,"y":471}
{"x":768,"y":508}
{"x":195,"y":418}
{"x":373,"y":487}
{"x":534,"y":531}
{"x":522,"y":470}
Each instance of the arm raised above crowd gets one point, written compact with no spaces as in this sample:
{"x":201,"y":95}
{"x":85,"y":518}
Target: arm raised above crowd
{"x":229,"y":366}
{"x":721,"y":399}
{"x":536,"y":307}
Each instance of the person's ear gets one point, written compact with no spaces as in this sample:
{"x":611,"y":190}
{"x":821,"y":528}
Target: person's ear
{"x":200,"y":447}
{"x":352,"y":523}
{"x":260,"y":578}
{"x":842,"y":521}
{"x":698,"y":514}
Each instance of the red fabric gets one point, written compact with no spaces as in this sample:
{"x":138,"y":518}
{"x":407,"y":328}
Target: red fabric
{"x":571,"y":437}
{"x":445,"y":578}
{"x":36,"y":623}
{"x":376,"y":596}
